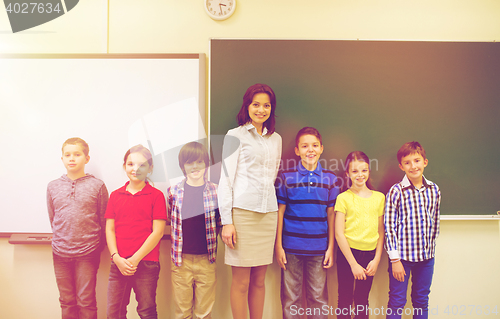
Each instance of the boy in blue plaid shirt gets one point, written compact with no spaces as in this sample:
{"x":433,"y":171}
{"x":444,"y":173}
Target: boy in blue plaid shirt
{"x":411,"y":225}
{"x":195,"y":223}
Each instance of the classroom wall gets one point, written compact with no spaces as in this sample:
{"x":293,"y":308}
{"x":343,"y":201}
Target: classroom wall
{"x":466,"y":278}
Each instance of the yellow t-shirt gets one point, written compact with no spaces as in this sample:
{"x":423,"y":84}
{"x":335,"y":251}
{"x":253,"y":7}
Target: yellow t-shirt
{"x":361,"y":218}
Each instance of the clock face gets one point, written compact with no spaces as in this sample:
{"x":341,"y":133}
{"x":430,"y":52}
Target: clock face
{"x":220,"y":9}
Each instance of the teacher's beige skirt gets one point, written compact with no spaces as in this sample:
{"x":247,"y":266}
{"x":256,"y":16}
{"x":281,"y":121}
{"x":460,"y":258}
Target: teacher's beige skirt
{"x":255,"y":236}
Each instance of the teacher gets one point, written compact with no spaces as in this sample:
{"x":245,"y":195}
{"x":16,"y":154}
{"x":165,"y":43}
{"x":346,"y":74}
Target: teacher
{"x":247,"y":199}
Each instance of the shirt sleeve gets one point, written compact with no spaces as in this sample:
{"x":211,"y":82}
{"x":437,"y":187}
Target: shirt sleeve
{"x":230,"y":155}
{"x":281,"y":189}
{"x":278,"y":160}
{"x":170,"y":204}
{"x":391,"y":218}
{"x":160,"y":207}
{"x":333,"y":193}
{"x":437,"y":213}
{"x":381,"y":206}
{"x":110,"y":213}
{"x":102,"y":205}
{"x":340,"y":205}
{"x":213,"y":189}
{"x":50,"y":207}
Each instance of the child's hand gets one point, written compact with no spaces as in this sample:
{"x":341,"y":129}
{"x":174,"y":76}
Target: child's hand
{"x":358,"y":272}
{"x":125,"y":266}
{"x":398,"y":271}
{"x":328,"y":261}
{"x":371,"y":269}
{"x":281,"y":257}
{"x":133,"y":262}
{"x":229,"y":235}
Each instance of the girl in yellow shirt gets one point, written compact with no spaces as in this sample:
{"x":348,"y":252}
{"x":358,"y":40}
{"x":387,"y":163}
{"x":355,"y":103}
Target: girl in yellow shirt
{"x":359,"y":230}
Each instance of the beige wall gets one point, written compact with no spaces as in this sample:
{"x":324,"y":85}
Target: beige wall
{"x":468,"y":252}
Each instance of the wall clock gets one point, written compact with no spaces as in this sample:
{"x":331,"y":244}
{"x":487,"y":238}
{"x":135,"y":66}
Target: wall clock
{"x":220,"y":9}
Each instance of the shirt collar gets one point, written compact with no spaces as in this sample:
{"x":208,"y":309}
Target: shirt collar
{"x":302,"y":170}
{"x":406,"y":183}
{"x":145,"y":191}
{"x":66,"y":178}
{"x":249,"y":126}
{"x":182,"y":184}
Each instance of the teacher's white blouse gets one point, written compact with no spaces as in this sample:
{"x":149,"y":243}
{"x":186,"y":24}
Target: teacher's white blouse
{"x":250,"y":163}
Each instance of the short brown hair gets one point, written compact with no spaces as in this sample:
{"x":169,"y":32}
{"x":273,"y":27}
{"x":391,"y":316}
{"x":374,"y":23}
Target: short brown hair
{"x":410,"y":148}
{"x":75,"y":141}
{"x":308,"y":131}
{"x":191,"y":152}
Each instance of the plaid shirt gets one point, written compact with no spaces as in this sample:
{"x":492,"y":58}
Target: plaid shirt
{"x":212,"y":219}
{"x":412,"y":220}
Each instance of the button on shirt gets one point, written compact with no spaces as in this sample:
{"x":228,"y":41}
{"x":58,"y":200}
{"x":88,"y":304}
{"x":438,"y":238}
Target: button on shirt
{"x":250,"y":163}
{"x":412,"y":220}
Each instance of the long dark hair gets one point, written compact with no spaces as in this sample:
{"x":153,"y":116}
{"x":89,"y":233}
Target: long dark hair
{"x":243,"y":117}
{"x":352,"y":157}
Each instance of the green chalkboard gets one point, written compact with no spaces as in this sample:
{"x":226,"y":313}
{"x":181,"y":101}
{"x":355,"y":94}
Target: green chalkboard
{"x":374,"y":96}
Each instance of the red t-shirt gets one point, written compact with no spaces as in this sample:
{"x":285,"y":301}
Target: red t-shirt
{"x":134,"y":215}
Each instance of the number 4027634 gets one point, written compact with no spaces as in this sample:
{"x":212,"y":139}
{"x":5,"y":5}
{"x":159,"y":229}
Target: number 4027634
{"x":464,"y":310}
{"x":33,"y":8}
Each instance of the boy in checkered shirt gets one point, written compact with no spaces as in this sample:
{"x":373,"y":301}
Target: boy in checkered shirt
{"x":195,"y":224}
{"x":411,"y":222}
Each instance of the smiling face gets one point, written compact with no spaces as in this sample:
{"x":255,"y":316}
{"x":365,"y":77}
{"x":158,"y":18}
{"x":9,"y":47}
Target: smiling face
{"x":74,"y":160}
{"x":137,"y":167}
{"x":195,"y":172}
{"x":358,"y":173}
{"x":260,"y":109}
{"x":413,"y":165}
{"x":309,"y":148}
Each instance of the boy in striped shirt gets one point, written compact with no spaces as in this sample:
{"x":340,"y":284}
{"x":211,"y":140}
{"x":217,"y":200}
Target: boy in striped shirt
{"x":305,"y":233}
{"x":411,"y":225}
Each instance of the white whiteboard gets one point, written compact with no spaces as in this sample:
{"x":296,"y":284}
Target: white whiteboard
{"x":111,"y":101}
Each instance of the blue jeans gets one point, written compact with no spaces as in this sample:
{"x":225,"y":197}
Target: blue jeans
{"x":144,"y":283}
{"x":348,"y":291}
{"x":76,"y":280}
{"x":421,"y":279}
{"x":291,"y":286}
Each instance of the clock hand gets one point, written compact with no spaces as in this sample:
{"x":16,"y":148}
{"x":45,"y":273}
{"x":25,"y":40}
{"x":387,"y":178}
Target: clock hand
{"x":220,"y":6}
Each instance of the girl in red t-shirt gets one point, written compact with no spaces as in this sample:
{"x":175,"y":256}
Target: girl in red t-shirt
{"x":135,"y":221}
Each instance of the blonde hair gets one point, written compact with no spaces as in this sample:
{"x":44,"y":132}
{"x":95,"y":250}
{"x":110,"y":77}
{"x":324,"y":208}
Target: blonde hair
{"x":76,"y":141}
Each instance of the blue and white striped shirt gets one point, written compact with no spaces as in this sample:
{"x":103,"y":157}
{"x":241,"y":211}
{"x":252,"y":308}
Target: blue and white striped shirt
{"x":411,"y":220}
{"x":306,"y":194}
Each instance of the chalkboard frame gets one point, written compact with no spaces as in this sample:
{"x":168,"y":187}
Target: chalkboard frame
{"x":236,"y":64}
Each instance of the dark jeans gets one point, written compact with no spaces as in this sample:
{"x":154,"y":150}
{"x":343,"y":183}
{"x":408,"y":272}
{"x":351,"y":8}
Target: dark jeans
{"x":353,"y":290}
{"x":421,"y":279}
{"x":298,"y":267}
{"x":76,"y":280}
{"x":144,"y":283}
